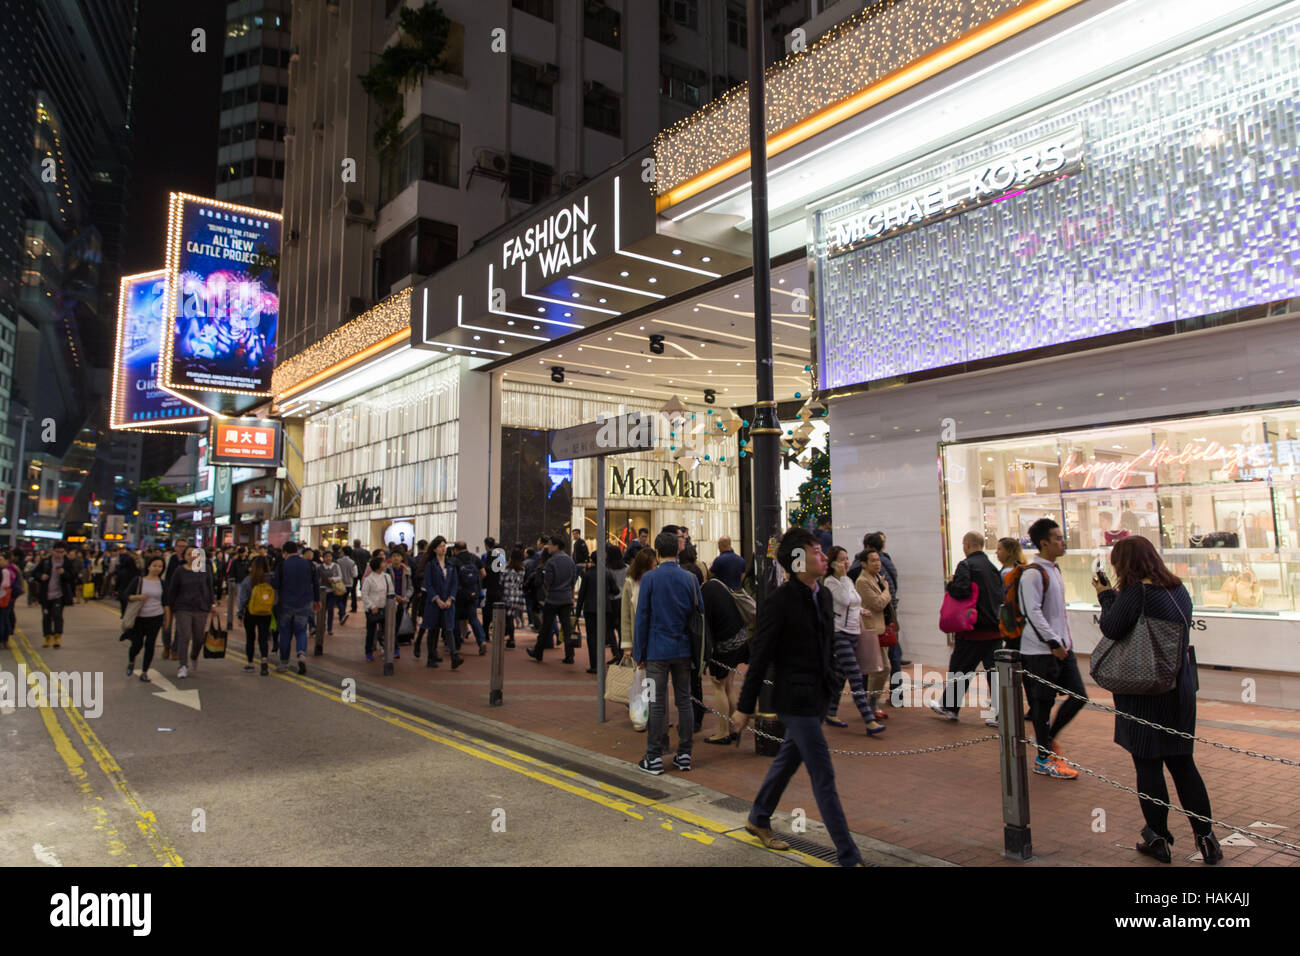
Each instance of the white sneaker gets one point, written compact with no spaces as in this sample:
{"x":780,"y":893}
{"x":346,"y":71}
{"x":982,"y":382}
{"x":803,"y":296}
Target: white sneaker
{"x":942,"y":711}
{"x":182,"y":673}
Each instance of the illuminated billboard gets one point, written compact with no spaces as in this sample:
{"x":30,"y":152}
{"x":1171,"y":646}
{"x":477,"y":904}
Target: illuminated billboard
{"x":224,"y":302}
{"x":138,"y":402}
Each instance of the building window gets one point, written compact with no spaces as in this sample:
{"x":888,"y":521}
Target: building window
{"x":422,"y":248}
{"x":531,"y":86}
{"x":685,"y":12}
{"x":542,"y":9}
{"x":604,"y":25}
{"x":681,"y":83}
{"x":530,"y":181}
{"x":429,"y":149}
{"x":737,"y":28}
{"x":453,"y":53}
{"x":602,"y":110}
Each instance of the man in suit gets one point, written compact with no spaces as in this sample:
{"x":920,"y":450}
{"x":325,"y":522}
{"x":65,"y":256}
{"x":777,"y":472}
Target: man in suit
{"x":796,"y":632}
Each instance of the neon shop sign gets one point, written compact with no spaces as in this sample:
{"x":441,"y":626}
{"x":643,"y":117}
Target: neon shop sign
{"x":560,"y":241}
{"x":1255,"y":462}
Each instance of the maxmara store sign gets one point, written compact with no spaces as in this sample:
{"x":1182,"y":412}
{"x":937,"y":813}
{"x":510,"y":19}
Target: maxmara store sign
{"x":628,"y":484}
{"x":360,"y":495}
{"x":994,"y":180}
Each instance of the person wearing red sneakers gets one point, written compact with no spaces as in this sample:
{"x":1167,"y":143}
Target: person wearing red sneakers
{"x":1046,"y":649}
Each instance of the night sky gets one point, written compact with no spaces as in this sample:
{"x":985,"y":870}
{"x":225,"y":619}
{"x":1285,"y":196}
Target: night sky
{"x":176,"y":102}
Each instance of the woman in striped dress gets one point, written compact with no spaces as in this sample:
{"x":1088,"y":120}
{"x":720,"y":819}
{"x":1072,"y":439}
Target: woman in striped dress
{"x":1144,"y":584}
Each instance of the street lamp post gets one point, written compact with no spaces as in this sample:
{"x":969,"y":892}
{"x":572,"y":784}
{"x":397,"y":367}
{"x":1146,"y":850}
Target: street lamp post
{"x":765,"y":429}
{"x":20,"y":479}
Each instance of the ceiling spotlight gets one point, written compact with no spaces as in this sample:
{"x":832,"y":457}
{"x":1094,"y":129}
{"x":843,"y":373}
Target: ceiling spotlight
{"x":677,"y":252}
{"x":541,"y":310}
{"x":706,"y":258}
{"x":577,"y":295}
{"x":710,"y":396}
{"x":568,"y":315}
{"x":624,"y":274}
{"x":557,"y":374}
{"x":603,"y":301}
{"x":657,"y":344}
{"x":537,"y":328}
{"x":652,"y":280}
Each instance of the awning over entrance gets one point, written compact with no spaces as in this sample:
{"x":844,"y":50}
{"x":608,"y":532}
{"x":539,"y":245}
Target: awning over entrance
{"x":596,"y":253}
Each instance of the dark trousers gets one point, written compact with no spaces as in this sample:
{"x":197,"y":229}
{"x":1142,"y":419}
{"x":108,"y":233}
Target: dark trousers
{"x":51,"y":617}
{"x":1041,"y":698}
{"x":334,"y":601}
{"x":144,"y":634}
{"x":550,"y":615}
{"x":593,"y":642}
{"x":965,"y":655}
{"x":1191,"y":791}
{"x":257,"y":630}
{"x":805,"y":744}
{"x":375,"y":630}
{"x":352,"y":593}
{"x":659,"y":673}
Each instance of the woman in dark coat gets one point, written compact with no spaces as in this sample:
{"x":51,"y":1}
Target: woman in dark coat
{"x":1143,"y":583}
{"x":440,"y":583}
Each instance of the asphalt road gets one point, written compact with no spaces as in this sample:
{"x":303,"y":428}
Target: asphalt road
{"x":280,"y":770}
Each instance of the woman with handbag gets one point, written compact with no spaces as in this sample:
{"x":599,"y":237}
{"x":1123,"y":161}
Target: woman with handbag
{"x":645,"y":561}
{"x":147,"y":605}
{"x":191,"y":604}
{"x":1145,"y":589}
{"x":848,"y":630}
{"x":877,"y":606}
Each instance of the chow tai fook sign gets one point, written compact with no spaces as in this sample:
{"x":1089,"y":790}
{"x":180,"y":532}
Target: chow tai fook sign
{"x":1001,"y":177}
{"x":223,"y":302}
{"x":138,"y":402}
{"x":245,"y":441}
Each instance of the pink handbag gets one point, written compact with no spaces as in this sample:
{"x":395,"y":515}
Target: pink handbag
{"x":957,"y":616}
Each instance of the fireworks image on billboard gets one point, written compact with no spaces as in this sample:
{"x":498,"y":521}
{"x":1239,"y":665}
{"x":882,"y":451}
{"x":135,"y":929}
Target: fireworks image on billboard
{"x":138,"y":402}
{"x":225,"y":301}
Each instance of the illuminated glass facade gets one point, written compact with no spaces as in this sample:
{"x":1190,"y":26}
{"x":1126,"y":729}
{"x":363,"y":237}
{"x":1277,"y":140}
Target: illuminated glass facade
{"x":1187,"y":205}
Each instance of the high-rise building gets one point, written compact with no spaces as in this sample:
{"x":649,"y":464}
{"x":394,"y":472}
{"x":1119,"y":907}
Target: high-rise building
{"x":254,"y":98}
{"x":532,"y":98}
{"x":66,"y":83}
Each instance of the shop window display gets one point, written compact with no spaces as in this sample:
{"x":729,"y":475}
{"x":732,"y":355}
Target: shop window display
{"x":1218,"y":495}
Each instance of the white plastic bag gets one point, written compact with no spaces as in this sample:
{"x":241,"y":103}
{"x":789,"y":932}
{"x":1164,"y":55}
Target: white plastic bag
{"x":638,"y":699}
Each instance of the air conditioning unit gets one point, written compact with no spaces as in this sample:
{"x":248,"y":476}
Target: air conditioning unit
{"x":359,"y":211}
{"x":571,"y":181}
{"x":491,"y":161}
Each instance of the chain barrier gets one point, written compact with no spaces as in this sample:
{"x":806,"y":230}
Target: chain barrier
{"x":1146,"y":796}
{"x":1168,"y":730}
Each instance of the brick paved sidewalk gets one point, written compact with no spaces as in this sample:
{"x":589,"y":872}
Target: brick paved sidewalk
{"x":947,"y":805}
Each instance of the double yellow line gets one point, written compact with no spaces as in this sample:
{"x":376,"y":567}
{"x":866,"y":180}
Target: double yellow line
{"x":145,"y":820}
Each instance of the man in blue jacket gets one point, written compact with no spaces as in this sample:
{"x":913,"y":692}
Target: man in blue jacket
{"x":662,"y":644}
{"x":297,"y":599}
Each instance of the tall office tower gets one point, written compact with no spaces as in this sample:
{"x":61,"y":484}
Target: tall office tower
{"x":254,"y":98}
{"x":65,"y":74}
{"x":532,"y":98}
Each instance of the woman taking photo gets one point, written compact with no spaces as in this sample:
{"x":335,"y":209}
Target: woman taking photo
{"x":256,"y":600}
{"x":144,"y":632}
{"x":440,"y":583}
{"x":849,"y":617}
{"x":1143,"y":585}
{"x":873,"y":590}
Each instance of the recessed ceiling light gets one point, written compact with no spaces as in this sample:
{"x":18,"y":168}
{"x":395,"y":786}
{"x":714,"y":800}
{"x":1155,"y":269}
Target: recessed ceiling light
{"x":677,"y":252}
{"x":577,"y":295}
{"x":643,"y":328}
{"x":624,"y":274}
{"x":476,"y":338}
{"x":537,"y":328}
{"x":603,"y":301}
{"x":501,"y":341}
{"x":510,"y":322}
{"x":627,"y":366}
{"x":652,"y":280}
{"x":735,"y":295}
{"x":696,"y":309}
{"x":780,"y":282}
{"x":607,"y":372}
{"x":542,"y":310}
{"x":568,"y":315}
{"x":706,"y":258}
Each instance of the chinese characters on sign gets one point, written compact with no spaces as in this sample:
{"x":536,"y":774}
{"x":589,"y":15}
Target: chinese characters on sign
{"x":245,"y":442}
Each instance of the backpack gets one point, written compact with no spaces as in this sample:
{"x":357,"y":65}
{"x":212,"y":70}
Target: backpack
{"x":8,"y":585}
{"x":467,"y":575}
{"x":748,"y":609}
{"x":262,"y":599}
{"x":1011,"y":616}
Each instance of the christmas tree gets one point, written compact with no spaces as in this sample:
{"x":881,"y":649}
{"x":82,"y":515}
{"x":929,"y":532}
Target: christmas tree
{"x":815,"y":493}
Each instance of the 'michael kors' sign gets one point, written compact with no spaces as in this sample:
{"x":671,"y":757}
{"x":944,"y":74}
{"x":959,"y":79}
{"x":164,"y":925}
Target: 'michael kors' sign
{"x":361,"y":495}
{"x":628,"y":484}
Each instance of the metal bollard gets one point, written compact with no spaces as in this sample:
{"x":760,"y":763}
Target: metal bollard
{"x":320,"y":625}
{"x":495,"y":698}
{"x":1017,"y":841}
{"x":390,"y":620}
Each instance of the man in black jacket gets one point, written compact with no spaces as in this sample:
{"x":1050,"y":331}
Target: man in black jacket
{"x":796,"y":633}
{"x":974,"y":646}
{"x":56,"y":588}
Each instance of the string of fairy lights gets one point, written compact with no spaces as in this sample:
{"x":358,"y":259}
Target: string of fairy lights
{"x":854,"y":54}
{"x":386,"y":318}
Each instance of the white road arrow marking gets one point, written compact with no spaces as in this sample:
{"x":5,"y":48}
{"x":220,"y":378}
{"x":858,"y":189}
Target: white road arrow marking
{"x":190,"y":698}
{"x":45,"y":855}
{"x":1259,"y":825}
